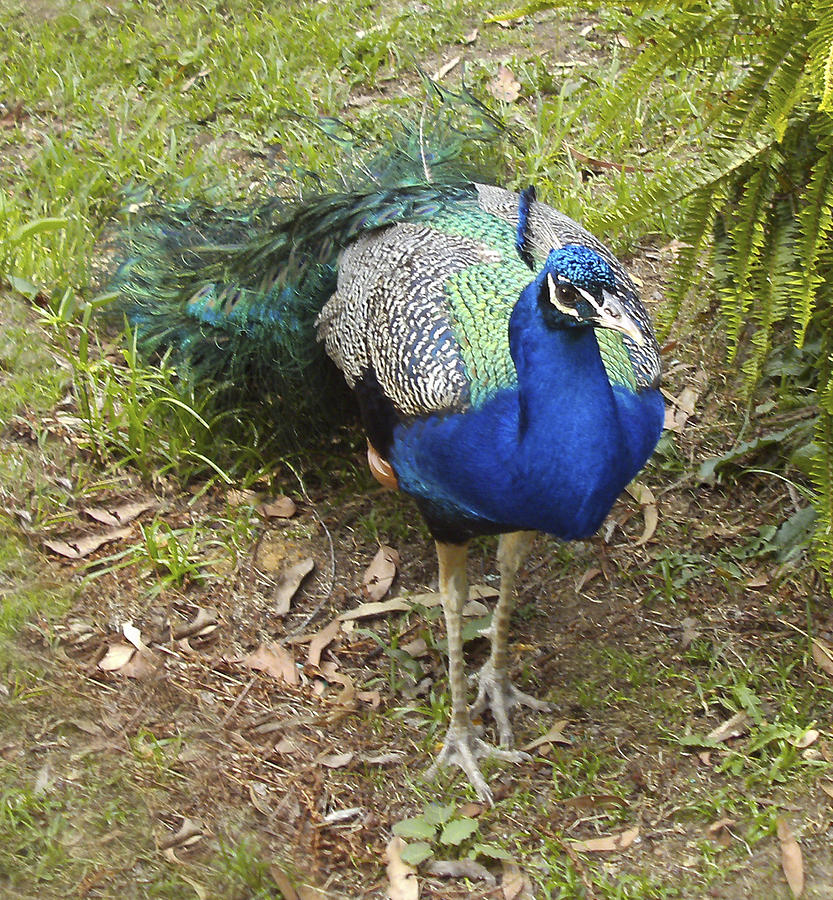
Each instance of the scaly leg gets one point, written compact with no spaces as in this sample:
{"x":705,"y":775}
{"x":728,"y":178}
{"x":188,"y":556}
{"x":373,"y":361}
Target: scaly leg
{"x":495,"y":689}
{"x":462,"y":745}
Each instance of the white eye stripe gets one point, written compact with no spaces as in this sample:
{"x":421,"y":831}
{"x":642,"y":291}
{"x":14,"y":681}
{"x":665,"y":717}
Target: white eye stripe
{"x":587,"y":296}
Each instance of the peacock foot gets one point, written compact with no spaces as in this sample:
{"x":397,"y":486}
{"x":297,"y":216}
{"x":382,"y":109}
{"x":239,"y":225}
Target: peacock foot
{"x":497,"y":693}
{"x":463,"y":747}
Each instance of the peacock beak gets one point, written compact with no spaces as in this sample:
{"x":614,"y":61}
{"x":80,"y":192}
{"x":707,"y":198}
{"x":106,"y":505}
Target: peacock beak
{"x":612,"y":314}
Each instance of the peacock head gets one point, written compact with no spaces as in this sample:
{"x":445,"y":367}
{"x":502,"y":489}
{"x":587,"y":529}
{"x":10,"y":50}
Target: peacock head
{"x":577,"y":287}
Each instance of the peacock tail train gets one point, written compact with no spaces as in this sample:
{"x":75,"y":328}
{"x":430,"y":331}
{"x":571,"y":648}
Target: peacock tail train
{"x":231,"y":294}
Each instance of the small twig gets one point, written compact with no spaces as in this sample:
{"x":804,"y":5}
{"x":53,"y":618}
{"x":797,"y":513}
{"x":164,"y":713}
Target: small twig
{"x":680,"y":482}
{"x":240,"y":697}
{"x":320,"y":605}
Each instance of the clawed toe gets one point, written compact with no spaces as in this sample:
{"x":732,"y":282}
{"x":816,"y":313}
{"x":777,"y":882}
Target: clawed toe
{"x":497,"y":693}
{"x":463,"y":747}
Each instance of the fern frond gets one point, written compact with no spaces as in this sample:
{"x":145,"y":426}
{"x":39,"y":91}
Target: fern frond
{"x":693,"y":36}
{"x":782,"y":56}
{"x":821,"y":472}
{"x":821,"y":54}
{"x":816,"y":220}
{"x":718,"y":163}
{"x":697,"y":226}
{"x":747,"y":235}
{"x":790,"y":87}
{"x":775,"y":271}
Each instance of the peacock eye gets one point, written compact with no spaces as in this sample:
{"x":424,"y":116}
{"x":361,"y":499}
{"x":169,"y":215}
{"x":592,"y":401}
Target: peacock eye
{"x":563,"y":297}
{"x":566,"y":294}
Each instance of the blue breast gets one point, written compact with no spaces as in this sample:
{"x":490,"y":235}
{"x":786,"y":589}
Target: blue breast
{"x":551,"y":453}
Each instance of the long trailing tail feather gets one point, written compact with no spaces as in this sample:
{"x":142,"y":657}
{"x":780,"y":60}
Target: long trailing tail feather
{"x":231,"y":293}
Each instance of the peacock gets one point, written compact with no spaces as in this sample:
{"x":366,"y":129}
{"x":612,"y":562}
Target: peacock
{"x":505,"y":371}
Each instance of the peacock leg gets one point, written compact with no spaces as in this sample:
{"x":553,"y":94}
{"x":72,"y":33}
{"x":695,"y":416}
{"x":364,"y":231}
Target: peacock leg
{"x":462,"y":745}
{"x":495,"y":690}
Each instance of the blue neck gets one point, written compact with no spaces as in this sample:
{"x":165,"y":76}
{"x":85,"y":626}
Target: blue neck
{"x":551,"y":454}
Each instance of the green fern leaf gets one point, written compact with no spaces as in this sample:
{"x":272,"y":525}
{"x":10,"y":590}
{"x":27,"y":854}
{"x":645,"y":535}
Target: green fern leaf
{"x":816,"y":222}
{"x":775,"y":272}
{"x":821,"y":54}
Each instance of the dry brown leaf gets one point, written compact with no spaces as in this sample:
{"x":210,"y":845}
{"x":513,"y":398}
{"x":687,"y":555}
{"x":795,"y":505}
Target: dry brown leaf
{"x":460,"y":868}
{"x":310,"y":892}
{"x":366,"y":610}
{"x":475,"y":608}
{"x":43,"y":780}
{"x":823,"y":656}
{"x":415,"y":648}
{"x":343,"y":815}
{"x":651,"y":521}
{"x":241,"y":498}
{"x":644,"y":496}
{"x":189,"y":833}
{"x":514,"y":884}
{"x":119,"y":515}
{"x":336,"y":760}
{"x":477,"y":592}
{"x":280,"y":508}
{"x":402,"y":880}
{"x":116,"y":657}
{"x":719,"y":831}
{"x":384,"y":759}
{"x":203,"y":624}
{"x":717,"y":826}
{"x":791,"y":861}
{"x":379,"y":575}
{"x":199,"y":890}
{"x":758,"y":581}
{"x":471,"y":809}
{"x":553,"y":736}
{"x":827,"y":787}
{"x":374,"y":698}
{"x":347,"y":695}
{"x":125,"y":659}
{"x":84,"y":546}
{"x":505,"y":86}
{"x":289,"y":744}
{"x":446,"y":68}
{"x":602,"y":165}
{"x":288,"y":583}
{"x":610,"y":844}
{"x":471,"y":37}
{"x":322,"y":640}
{"x":140,"y":666}
{"x":690,"y":631}
{"x":274,"y":660}
{"x":683,"y":406}
{"x":593,"y":801}
{"x":809,"y":737}
{"x":731,"y":728}
{"x":134,"y":636}
{"x":587,"y":577}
